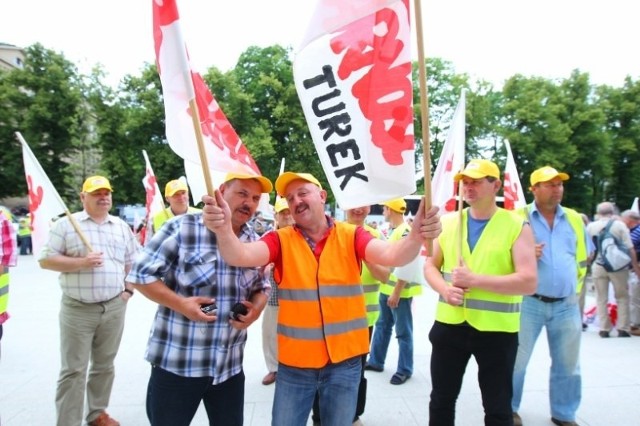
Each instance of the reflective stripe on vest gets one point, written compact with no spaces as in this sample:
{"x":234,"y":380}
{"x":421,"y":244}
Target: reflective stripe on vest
{"x":4,"y":292}
{"x":485,"y":305}
{"x":371,"y":286}
{"x":482,"y":309}
{"x":410,"y":289}
{"x":322,"y":315}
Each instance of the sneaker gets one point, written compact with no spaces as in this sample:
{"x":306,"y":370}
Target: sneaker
{"x":269,"y":378}
{"x":563,"y":422}
{"x":104,"y":420}
{"x":603,"y":333}
{"x":369,"y":367}
{"x":517,"y":420}
{"x":622,"y":333}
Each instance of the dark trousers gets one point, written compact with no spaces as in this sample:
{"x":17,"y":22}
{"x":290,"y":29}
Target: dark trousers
{"x":173,"y":400}
{"x":495,"y":353}
{"x":25,"y":245}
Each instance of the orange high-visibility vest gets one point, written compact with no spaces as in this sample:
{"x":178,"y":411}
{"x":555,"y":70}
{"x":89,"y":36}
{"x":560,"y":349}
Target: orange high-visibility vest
{"x":322,"y":316}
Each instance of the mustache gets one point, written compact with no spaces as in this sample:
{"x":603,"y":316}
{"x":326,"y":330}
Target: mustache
{"x":245,"y":210}
{"x":301,"y":207}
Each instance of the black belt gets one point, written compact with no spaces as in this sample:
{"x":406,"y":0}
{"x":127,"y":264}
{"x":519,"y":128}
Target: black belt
{"x":547,"y":299}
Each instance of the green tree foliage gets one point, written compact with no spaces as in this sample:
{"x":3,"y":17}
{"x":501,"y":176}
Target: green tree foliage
{"x":275,"y":126}
{"x":622,"y":110}
{"x":43,"y":102}
{"x":77,"y":126}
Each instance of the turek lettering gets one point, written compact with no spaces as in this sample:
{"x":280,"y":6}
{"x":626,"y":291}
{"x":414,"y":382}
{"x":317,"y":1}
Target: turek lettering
{"x":336,"y":124}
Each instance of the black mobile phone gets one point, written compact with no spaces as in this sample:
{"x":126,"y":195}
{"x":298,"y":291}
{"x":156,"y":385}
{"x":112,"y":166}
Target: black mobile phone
{"x":238,"y":309}
{"x":210,"y":309}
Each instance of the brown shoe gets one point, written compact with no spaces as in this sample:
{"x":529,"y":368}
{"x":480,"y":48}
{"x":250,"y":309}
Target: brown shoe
{"x":269,"y":378}
{"x":635,"y":331}
{"x":104,"y":420}
{"x":517,"y":420}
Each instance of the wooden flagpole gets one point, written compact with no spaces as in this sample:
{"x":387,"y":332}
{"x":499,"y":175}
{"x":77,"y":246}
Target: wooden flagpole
{"x":195,"y":117}
{"x":72,"y":220}
{"x":424,"y":110}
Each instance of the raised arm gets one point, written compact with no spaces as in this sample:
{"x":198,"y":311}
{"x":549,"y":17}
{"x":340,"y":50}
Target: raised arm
{"x":217,"y":218}
{"x":401,"y":252}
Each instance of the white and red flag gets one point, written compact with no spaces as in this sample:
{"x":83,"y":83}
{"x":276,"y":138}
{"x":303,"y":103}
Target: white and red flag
{"x":451,"y":161}
{"x":154,"y":201}
{"x":180,"y":86}
{"x":353,"y":77}
{"x":513,"y":194}
{"x":45,"y":204}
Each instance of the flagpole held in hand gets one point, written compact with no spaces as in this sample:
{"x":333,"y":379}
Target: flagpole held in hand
{"x":424,"y":110}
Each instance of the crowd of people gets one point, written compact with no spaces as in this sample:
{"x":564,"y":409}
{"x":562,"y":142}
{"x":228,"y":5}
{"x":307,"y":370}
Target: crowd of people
{"x":332,"y":294}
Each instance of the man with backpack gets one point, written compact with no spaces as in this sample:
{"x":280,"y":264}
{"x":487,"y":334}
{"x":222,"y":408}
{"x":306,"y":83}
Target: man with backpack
{"x":604,"y":270}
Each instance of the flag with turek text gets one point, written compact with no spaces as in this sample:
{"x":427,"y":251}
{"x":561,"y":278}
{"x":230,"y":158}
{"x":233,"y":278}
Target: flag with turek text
{"x":45,"y":204}
{"x":451,"y":161}
{"x":181,"y":86}
{"x":353,"y":76}
{"x":513,"y":194}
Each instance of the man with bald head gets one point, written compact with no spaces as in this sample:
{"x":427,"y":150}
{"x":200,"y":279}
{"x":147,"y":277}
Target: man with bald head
{"x":322,"y":323}
{"x":619,"y":279}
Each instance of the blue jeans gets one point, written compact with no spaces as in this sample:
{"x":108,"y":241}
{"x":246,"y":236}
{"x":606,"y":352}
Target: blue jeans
{"x":173,"y":400}
{"x":495,"y":353}
{"x":564,"y":330}
{"x":402,"y":318}
{"x":337,"y":387}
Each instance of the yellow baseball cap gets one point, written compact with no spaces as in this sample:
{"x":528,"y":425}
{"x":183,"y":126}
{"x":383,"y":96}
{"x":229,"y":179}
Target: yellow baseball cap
{"x":545,"y":174}
{"x":265,"y":183}
{"x":281,"y":204}
{"x":397,"y":205}
{"x":94,"y":183}
{"x":478,"y":169}
{"x":174,"y":186}
{"x":287,"y":177}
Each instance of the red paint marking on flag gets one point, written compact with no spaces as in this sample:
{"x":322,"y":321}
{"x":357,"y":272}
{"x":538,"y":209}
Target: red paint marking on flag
{"x":385,"y":91}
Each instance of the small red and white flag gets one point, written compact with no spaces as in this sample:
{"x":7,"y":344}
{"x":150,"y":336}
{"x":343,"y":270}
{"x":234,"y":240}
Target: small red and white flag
{"x":451,"y":161}
{"x":353,"y":77}
{"x":180,"y":86}
{"x":45,"y":204}
{"x":154,"y":201}
{"x":513,"y":194}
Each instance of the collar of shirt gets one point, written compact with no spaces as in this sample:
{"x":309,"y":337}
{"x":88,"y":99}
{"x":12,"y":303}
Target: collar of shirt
{"x":312,"y":244}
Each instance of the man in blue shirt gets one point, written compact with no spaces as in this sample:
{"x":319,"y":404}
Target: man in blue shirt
{"x":561,"y":249}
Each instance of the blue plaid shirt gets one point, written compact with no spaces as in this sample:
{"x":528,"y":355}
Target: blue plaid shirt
{"x":184,"y":254}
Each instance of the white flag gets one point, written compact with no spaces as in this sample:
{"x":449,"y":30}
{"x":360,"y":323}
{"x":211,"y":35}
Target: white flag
{"x":634,"y":205}
{"x":513,"y":194}
{"x":451,"y":161}
{"x":181,"y":86}
{"x":154,"y":201}
{"x":353,"y":77}
{"x":45,"y":204}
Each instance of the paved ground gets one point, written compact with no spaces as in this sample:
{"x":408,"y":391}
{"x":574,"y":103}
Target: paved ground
{"x":30,"y":363}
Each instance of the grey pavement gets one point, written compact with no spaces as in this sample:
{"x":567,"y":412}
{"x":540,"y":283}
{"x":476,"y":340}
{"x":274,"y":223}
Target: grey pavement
{"x":30,"y":362}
